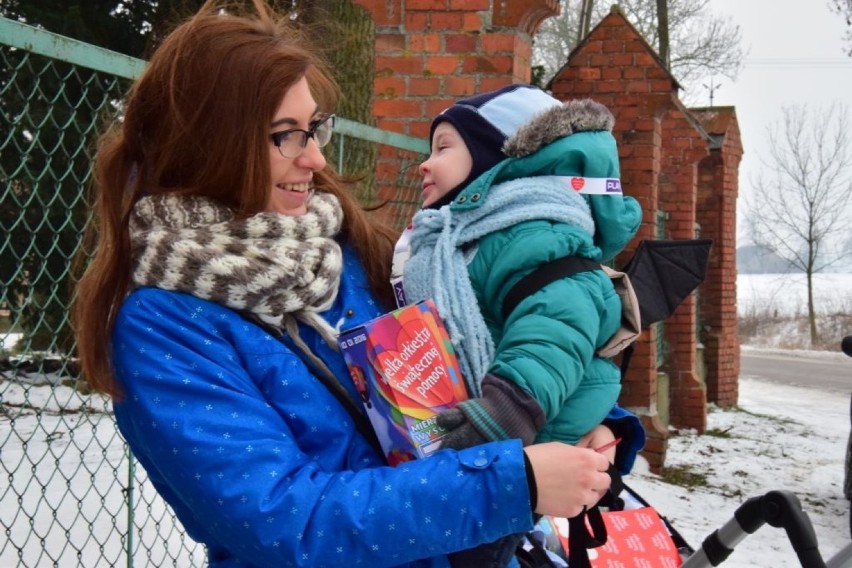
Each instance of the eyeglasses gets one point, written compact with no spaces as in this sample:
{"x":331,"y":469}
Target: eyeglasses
{"x":291,"y":143}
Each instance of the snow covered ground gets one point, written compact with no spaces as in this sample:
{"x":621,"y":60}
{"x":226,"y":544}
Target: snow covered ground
{"x":779,"y":437}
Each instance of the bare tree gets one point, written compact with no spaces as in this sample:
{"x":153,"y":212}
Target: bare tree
{"x":844,"y":8}
{"x":558,"y":35}
{"x":663,"y":31}
{"x":587,"y":7}
{"x":799,"y":209}
{"x":700,"y":43}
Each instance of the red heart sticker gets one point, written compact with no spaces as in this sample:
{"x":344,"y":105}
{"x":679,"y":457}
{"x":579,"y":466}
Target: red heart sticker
{"x":577,"y":183}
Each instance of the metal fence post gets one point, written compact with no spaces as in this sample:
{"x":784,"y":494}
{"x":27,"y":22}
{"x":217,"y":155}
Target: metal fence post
{"x":131,"y":477}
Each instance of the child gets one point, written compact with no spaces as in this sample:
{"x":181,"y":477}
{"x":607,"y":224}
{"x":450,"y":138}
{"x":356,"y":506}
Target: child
{"x":516,"y":179}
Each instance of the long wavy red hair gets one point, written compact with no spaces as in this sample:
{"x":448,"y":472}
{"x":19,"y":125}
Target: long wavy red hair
{"x":197,"y":123}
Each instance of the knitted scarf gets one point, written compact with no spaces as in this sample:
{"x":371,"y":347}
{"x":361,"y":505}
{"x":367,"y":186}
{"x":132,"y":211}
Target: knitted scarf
{"x":437,"y":267}
{"x":274,"y":267}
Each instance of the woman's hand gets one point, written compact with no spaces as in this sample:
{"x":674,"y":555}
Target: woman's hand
{"x":598,"y":438}
{"x":567,"y":478}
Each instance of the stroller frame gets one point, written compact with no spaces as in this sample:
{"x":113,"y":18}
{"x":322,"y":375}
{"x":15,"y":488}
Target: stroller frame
{"x":779,"y":509}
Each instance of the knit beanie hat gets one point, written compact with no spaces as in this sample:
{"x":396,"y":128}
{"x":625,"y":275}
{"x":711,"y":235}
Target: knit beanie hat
{"x":485,"y":121}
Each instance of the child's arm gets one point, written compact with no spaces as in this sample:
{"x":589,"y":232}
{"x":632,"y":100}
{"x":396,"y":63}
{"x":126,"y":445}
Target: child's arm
{"x":547,"y":345}
{"x":602,"y":440}
{"x":503,"y":411}
{"x":627,"y":426}
{"x":623,"y":426}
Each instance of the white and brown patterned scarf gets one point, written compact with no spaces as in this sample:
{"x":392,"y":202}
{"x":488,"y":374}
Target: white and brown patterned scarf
{"x":272,"y":266}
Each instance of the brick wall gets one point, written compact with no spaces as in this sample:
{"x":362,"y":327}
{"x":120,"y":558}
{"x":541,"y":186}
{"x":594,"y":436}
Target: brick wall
{"x":683,"y":146}
{"x":431,"y":52}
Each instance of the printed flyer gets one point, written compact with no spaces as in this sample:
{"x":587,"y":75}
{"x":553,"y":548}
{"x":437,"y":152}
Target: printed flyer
{"x":405,"y":369}
{"x":636,"y":538}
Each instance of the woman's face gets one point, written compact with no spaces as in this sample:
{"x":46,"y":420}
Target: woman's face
{"x":292,"y":178}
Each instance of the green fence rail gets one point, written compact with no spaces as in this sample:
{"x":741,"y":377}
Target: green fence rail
{"x":70,"y":494}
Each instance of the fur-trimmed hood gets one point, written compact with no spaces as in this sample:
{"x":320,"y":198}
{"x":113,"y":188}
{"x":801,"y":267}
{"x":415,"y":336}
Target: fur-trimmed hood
{"x":515,"y":120}
{"x":556,"y":122}
{"x":572,"y":142}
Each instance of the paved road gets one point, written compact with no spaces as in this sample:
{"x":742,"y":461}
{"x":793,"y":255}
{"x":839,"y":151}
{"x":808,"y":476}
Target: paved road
{"x":829,"y":372}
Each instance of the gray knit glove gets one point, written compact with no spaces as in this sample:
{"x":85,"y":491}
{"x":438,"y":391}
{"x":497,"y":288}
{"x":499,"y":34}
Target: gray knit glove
{"x":503,"y":411}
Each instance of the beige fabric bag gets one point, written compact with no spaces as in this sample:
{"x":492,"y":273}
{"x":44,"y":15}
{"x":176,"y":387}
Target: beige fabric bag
{"x":631,"y":324}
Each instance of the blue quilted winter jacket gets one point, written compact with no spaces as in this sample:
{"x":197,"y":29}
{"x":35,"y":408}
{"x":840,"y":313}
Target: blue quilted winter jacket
{"x":265,"y":467}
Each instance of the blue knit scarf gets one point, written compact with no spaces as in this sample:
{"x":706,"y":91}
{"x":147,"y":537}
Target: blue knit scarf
{"x":437,"y":267}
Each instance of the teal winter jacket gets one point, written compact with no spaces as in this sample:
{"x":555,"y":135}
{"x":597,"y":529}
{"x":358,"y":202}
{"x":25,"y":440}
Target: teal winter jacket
{"x":547,"y":344}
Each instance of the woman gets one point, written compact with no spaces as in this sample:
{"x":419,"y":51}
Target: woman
{"x":228,"y":256}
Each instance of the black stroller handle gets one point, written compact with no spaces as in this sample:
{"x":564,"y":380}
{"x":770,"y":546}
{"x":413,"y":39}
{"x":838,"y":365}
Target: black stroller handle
{"x":846,"y":345}
{"x":779,"y":509}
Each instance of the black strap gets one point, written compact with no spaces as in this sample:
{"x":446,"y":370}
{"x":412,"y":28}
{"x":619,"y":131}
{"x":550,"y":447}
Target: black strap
{"x":536,"y":556}
{"x":616,"y":484}
{"x":544,"y":275}
{"x":626,"y":355}
{"x":355,"y":410}
{"x":580,"y":540}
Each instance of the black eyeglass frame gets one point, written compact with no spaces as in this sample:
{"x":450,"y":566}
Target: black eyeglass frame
{"x":278,"y":138}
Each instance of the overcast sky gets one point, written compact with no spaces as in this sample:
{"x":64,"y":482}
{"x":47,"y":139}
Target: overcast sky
{"x":795,"y":56}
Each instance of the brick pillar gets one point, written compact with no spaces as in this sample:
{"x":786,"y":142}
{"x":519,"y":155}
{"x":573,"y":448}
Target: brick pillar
{"x":639,"y":138}
{"x":718,"y":188}
{"x":711,"y":172}
{"x":683,"y":147}
{"x":429,"y":53}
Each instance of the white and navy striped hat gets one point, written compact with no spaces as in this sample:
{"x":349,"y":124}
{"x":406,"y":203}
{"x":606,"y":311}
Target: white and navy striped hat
{"x":485,"y":121}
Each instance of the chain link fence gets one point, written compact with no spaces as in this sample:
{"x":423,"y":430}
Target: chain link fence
{"x":70,"y":492}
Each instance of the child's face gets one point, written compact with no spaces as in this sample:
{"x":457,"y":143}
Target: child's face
{"x":448,"y":165}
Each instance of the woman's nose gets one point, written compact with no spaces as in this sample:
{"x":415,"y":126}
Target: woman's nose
{"x":312,"y":157}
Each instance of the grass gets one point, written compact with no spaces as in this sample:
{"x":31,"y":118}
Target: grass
{"x":780,"y":420}
{"x":684,"y":476}
{"x":767,"y":328}
{"x":717,"y":433}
